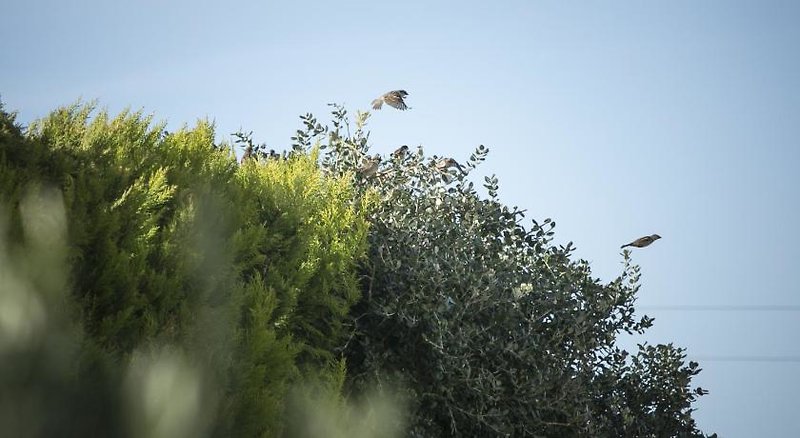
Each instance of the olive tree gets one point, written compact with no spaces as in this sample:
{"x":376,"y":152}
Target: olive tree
{"x":489,"y":327}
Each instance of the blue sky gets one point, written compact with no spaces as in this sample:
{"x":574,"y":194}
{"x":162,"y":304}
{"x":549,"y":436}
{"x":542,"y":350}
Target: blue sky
{"x":616,"y":119}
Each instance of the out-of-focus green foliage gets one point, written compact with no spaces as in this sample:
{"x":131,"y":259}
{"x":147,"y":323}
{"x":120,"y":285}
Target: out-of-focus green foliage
{"x":188,"y":277}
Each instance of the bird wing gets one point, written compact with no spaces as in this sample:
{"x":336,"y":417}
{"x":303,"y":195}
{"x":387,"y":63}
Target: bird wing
{"x":396,"y":102}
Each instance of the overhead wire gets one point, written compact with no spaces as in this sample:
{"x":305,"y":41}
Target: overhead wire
{"x":724,"y":307}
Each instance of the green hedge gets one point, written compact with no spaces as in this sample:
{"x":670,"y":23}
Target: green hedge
{"x":246,"y":272}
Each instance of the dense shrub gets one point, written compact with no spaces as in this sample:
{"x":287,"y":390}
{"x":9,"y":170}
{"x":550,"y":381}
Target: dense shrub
{"x":248,"y":270}
{"x":492,"y":329}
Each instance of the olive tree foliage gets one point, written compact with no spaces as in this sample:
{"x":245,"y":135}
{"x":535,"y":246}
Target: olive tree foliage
{"x":490,"y":327}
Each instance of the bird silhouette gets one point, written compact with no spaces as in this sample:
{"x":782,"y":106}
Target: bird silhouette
{"x":393,"y":99}
{"x":400,"y":152}
{"x":643,"y":241}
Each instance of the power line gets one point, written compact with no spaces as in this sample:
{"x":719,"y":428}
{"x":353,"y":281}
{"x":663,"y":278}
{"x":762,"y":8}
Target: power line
{"x":724,"y":308}
{"x":769,"y":359}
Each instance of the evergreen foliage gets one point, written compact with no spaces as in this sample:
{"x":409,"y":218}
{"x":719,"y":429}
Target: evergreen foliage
{"x":250,"y":270}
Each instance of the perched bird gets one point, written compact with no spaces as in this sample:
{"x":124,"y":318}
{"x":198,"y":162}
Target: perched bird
{"x":400,"y":152}
{"x":248,"y":154}
{"x":643,"y":241}
{"x":370,"y":167}
{"x":393,"y":99}
{"x":446,"y":163}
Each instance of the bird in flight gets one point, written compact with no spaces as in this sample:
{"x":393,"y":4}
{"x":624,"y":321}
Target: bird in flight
{"x":643,"y":241}
{"x":393,"y":99}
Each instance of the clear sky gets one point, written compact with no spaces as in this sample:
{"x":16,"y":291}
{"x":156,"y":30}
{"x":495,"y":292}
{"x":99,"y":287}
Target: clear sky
{"x":617,"y":119}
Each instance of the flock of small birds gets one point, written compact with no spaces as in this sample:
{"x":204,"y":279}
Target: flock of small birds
{"x":371,"y":165}
{"x":396,"y":99}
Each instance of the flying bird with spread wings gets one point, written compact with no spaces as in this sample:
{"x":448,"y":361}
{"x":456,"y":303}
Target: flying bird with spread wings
{"x":643,"y":241}
{"x":393,"y":99}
